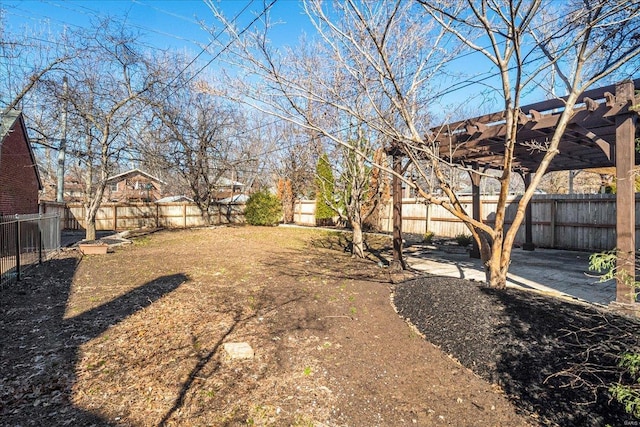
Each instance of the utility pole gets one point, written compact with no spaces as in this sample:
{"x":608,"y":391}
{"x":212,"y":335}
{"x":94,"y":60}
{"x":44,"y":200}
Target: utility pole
{"x":572,"y":175}
{"x":63,"y":145}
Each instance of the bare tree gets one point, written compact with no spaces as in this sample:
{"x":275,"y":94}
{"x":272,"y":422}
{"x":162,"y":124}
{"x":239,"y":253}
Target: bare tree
{"x":26,"y":59}
{"x":105,"y":84}
{"x":582,"y":42}
{"x":379,"y":62}
{"x":294,"y":158}
{"x":195,"y":138}
{"x":337,"y":84}
{"x":256,"y":142}
{"x":357,"y":190}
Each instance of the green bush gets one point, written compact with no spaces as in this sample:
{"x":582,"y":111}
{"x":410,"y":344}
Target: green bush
{"x":428,"y":237}
{"x":464,"y":239}
{"x":627,"y":393}
{"x":263,"y":208}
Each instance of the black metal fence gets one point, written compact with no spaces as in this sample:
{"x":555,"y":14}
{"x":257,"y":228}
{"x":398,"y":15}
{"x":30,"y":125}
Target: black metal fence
{"x":26,"y":240}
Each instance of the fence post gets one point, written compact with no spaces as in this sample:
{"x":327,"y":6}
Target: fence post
{"x":554,"y":209}
{"x":17,"y":248}
{"x":58,"y":235}
{"x":184,"y":214}
{"x":426,"y":217}
{"x":40,"y":239}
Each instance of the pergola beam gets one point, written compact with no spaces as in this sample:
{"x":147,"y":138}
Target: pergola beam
{"x":604,"y":145}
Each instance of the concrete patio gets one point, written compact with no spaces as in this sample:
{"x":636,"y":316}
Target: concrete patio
{"x":557,"y":272}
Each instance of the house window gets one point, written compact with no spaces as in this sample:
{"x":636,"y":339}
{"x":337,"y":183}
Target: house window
{"x":113,"y":187}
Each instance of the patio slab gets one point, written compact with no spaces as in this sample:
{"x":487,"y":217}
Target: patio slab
{"x":558,"y":272}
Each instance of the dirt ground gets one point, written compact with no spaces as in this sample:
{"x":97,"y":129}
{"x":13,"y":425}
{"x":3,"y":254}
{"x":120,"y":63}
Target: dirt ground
{"x":135,"y":338}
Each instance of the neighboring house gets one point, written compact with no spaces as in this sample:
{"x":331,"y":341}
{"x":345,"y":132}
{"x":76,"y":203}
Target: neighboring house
{"x":133,"y":186}
{"x":175,"y":199}
{"x":226,"y":188}
{"x":74,"y":189}
{"x":237,"y":199}
{"x":19,"y":177}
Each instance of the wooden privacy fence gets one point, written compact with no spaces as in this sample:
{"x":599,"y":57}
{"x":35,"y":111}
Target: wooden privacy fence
{"x":304,"y":212}
{"x":128,"y":216}
{"x":579,"y":221}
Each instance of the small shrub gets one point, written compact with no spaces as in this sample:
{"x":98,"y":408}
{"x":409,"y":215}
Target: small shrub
{"x":606,"y":263}
{"x":428,"y":237}
{"x":263,"y":208}
{"x":629,"y":394}
{"x":464,"y":239}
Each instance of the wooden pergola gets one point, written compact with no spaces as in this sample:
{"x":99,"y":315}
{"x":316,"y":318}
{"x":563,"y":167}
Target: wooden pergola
{"x":600,"y":133}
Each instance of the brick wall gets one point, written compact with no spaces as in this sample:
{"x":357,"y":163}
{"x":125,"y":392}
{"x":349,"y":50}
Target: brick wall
{"x":18,"y":176}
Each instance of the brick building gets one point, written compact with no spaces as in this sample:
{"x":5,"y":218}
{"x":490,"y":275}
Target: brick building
{"x":133,"y":186}
{"x":19,"y":177}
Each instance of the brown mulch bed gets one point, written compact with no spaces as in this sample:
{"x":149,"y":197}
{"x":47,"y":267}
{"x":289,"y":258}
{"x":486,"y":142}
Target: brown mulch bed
{"x":135,"y":338}
{"x":553,"y":358}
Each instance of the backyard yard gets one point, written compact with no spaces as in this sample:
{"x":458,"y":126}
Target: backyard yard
{"x":135,"y":338}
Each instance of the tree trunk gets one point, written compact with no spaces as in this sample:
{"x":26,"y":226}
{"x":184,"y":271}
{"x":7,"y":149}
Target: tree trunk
{"x":358,"y":240}
{"x":497,"y":274}
{"x":497,"y":265}
{"x":90,"y":233}
{"x":205,"y":213}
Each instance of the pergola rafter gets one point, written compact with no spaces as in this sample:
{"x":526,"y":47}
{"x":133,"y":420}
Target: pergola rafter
{"x":586,"y":143}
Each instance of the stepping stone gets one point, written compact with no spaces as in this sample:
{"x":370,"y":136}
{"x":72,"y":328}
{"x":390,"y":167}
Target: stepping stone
{"x":238,"y":350}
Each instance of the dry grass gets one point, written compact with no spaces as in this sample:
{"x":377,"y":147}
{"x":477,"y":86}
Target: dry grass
{"x":135,"y":338}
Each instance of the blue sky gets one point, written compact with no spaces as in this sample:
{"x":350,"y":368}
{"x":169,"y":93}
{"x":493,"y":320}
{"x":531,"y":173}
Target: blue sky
{"x":178,"y":25}
{"x":175,"y":24}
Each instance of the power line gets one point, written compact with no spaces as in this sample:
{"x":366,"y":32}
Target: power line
{"x":246,"y":28}
{"x":29,"y":15}
{"x":94,"y":13}
{"x":215,"y":38}
{"x":453,"y":88}
{"x":203,"y":50}
{"x":166,"y":12}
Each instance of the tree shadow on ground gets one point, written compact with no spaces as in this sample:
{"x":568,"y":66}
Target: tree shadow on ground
{"x":322,"y":267}
{"x":40,"y":345}
{"x":376,"y":245}
{"x":210,"y":359}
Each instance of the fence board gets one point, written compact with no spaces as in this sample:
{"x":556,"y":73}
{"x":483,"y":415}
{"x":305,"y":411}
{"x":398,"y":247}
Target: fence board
{"x":578,"y":221}
{"x":304,"y":212}
{"x":128,"y":216}
{"x":583,"y":222}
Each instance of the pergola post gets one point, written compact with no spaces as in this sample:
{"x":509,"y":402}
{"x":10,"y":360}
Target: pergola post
{"x":476,"y":205}
{"x":625,"y":194}
{"x":528,"y":221}
{"x":396,"y":185}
